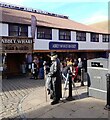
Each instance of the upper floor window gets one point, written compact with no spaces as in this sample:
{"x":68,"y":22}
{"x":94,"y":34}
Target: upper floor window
{"x":44,"y":33}
{"x":80,"y":36}
{"x":105,"y":38}
{"x":18,"y":30}
{"x":94,"y":37}
{"x":64,"y":35}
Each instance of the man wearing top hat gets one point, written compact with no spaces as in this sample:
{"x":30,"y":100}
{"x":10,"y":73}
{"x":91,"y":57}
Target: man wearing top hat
{"x":55,"y":75}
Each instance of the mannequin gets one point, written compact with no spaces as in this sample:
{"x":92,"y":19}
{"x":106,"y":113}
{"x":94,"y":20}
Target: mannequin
{"x":55,"y":75}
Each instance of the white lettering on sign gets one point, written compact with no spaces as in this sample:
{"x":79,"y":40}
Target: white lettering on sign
{"x":14,"y":41}
{"x":63,"y":46}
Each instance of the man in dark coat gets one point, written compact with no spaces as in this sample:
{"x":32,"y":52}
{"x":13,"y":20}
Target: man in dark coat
{"x":55,"y":74}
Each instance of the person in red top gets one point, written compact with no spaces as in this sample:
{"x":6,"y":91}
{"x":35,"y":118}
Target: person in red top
{"x":75,"y":72}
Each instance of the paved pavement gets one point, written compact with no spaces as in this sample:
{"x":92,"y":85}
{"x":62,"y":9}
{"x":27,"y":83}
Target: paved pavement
{"x":13,"y":92}
{"x":26,"y":98}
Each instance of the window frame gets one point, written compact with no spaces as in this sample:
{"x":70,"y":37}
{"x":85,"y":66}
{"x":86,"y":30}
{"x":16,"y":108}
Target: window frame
{"x":44,"y":33}
{"x":17,"y":31}
{"x":64,"y":35}
{"x":105,"y":38}
{"x":80,"y":36}
{"x":94,"y":37}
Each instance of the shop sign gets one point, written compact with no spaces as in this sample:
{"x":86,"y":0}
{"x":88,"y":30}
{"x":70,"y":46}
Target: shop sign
{"x":14,"y":41}
{"x":63,"y":46}
{"x":14,"y":45}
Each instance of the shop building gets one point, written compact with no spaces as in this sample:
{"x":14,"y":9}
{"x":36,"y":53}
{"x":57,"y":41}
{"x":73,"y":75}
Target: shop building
{"x":53,"y":33}
{"x":14,"y":50}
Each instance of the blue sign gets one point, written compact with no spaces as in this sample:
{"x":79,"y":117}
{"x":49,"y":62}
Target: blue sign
{"x":63,"y":46}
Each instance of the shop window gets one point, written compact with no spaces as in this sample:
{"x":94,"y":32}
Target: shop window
{"x":44,"y":33}
{"x":18,"y":30}
{"x":64,"y":35}
{"x":94,"y":37}
{"x":80,"y":36}
{"x":105,"y":38}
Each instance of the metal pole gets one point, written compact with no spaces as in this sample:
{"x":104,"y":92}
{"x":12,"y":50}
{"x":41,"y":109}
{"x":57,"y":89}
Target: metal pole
{"x":82,"y":76}
{"x":69,"y":98}
{"x":45,"y":81}
{"x":70,"y":85}
{"x":107,"y":107}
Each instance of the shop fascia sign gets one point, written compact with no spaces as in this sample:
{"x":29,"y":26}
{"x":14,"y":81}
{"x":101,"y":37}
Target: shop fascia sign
{"x":13,"y":44}
{"x":63,"y":46}
{"x":14,"y":41}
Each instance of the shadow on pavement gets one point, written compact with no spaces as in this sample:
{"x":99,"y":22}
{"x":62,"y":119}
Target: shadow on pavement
{"x":70,"y":109}
{"x":21,"y":83}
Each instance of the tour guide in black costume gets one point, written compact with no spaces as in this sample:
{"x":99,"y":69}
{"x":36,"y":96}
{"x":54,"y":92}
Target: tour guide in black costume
{"x":55,"y":79}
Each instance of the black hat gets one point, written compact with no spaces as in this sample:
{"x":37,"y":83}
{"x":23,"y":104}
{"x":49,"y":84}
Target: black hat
{"x":53,"y":53}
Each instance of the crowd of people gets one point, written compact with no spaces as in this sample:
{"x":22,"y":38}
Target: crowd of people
{"x":53,"y":71}
{"x":75,"y":67}
{"x":34,"y":66}
{"x":59,"y":70}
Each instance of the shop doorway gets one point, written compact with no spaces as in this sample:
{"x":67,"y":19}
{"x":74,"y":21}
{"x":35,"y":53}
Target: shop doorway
{"x":13,"y":63}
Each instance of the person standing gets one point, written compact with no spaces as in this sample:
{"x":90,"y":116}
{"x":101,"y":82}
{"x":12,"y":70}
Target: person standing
{"x":41,"y":69}
{"x":65,"y":74}
{"x":35,"y":68}
{"x":55,"y":74}
{"x":29,"y":61}
{"x":23,"y":68}
{"x":80,"y":66}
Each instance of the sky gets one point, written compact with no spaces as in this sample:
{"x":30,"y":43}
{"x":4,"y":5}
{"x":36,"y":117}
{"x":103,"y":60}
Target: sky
{"x":83,"y":11}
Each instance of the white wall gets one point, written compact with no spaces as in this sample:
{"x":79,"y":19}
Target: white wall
{"x":73,"y":36}
{"x":88,"y":37}
{"x":29,"y":31}
{"x":55,"y":35}
{"x":3,"y":29}
{"x":42,"y":44}
{"x":109,"y":64}
{"x":0,"y":29}
{"x":93,"y":45}
{"x":100,"y":38}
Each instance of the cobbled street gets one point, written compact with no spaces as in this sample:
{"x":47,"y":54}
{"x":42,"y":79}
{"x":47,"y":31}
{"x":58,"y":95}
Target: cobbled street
{"x":14,"y":92}
{"x":24,"y":98}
